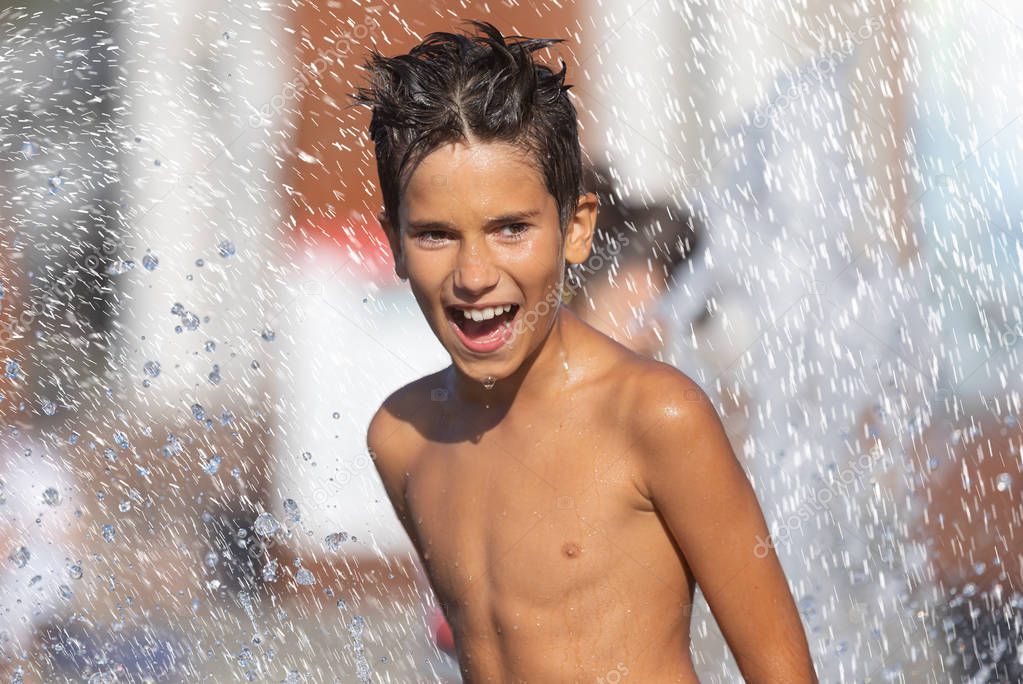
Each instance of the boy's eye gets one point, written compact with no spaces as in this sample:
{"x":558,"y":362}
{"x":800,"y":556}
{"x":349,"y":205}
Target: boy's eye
{"x":514,"y":230}
{"x":431,"y":236}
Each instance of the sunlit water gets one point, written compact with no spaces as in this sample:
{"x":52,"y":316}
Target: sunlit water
{"x":185,"y":490}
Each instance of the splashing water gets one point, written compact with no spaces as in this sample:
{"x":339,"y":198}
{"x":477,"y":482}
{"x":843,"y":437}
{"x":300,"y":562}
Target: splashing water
{"x":852,"y":310}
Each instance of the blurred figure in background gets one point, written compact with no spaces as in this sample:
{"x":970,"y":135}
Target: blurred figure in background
{"x":636,"y":254}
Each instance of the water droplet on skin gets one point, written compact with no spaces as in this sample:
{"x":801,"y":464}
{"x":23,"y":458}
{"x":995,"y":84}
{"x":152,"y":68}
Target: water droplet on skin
{"x":489,"y":382}
{"x":150,"y":262}
{"x":51,"y":497}
{"x":1003,"y":482}
{"x":108,"y":532}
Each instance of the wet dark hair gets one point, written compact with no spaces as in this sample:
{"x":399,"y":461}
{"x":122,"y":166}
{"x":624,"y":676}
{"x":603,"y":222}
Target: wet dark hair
{"x":460,"y":87}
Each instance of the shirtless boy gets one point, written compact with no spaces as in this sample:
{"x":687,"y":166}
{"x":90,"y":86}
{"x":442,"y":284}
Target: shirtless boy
{"x":564,"y":494}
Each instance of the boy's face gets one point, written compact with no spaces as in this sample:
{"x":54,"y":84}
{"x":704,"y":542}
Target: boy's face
{"x":479,"y":233}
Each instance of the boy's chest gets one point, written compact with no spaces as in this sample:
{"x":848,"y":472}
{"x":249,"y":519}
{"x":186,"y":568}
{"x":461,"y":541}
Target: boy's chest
{"x":531,"y":516}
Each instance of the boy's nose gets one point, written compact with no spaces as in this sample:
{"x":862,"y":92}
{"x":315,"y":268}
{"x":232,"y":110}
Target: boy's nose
{"x":474,"y":272}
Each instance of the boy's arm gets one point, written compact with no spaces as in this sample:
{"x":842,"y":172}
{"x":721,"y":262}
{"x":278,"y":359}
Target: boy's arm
{"x":692,"y":476}
{"x":386,"y":439}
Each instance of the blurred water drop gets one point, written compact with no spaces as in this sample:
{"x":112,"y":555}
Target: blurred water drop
{"x":291,"y":510}
{"x":266,"y":525}
{"x":335,"y":540}
{"x":21,"y":556}
{"x":212,"y":465}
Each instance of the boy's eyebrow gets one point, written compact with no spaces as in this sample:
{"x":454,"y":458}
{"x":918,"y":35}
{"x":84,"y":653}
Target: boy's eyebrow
{"x":510,"y":217}
{"x":430,"y":225}
{"x":514,"y":216}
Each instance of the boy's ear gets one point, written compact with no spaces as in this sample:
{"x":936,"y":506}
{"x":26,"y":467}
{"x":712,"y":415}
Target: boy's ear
{"x":579,"y":232}
{"x":394,"y":240}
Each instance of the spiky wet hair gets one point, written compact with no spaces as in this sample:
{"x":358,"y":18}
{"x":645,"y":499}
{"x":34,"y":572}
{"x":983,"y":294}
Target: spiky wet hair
{"x":484,"y":87}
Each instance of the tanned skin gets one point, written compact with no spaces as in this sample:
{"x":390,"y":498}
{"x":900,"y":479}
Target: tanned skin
{"x":564,"y":516}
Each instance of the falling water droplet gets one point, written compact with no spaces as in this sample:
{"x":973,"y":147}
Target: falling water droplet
{"x":266,"y":525}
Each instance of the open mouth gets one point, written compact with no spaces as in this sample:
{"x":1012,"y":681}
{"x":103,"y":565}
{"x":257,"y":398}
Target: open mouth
{"x":483,"y":329}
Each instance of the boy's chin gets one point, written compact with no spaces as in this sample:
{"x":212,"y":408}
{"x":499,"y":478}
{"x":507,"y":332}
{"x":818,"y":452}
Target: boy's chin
{"x":501,"y":365}
{"x":484,"y":370}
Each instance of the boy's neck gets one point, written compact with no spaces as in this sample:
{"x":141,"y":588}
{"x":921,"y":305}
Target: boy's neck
{"x":541,"y":374}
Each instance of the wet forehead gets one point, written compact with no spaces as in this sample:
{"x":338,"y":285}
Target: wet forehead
{"x":459,"y":183}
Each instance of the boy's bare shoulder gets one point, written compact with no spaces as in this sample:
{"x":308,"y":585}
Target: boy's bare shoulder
{"x":646,"y":391}
{"x":663,"y":408}
{"x":395,"y":431}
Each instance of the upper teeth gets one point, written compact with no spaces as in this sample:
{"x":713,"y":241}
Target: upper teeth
{"x":487,"y":313}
